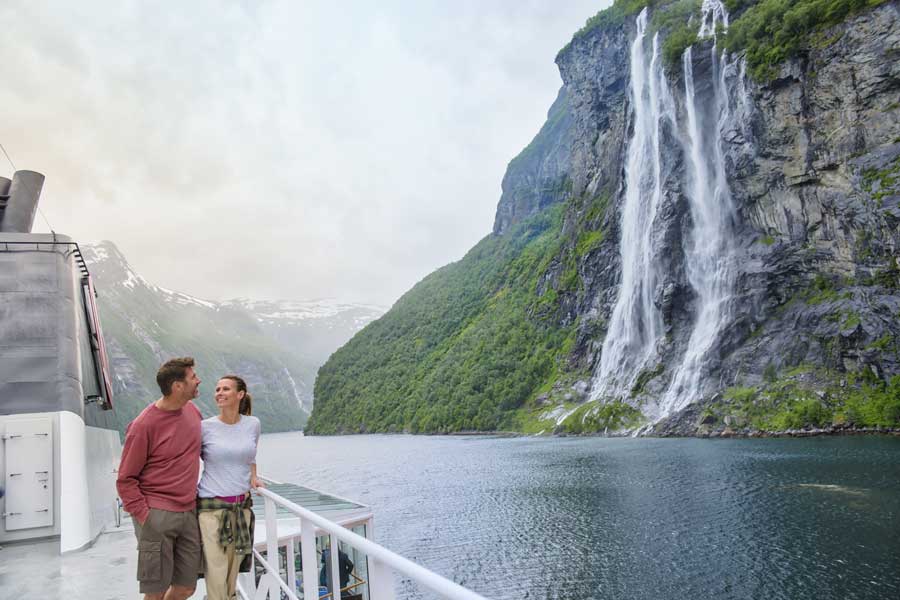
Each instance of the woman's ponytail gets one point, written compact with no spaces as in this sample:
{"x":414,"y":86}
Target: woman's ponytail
{"x":246,"y":407}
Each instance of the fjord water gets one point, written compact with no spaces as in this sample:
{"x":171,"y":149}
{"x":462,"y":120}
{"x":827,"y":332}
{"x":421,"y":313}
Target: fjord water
{"x":579,"y":518}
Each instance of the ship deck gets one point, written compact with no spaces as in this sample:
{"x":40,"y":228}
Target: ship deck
{"x":106,"y":570}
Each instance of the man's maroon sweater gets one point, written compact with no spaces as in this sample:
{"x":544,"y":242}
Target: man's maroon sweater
{"x":160,"y":461}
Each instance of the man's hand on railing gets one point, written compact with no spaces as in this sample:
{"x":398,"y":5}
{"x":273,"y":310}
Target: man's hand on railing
{"x":256,"y":482}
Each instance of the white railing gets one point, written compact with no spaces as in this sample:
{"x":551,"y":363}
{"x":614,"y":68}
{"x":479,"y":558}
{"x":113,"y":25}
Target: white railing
{"x":381,"y":561}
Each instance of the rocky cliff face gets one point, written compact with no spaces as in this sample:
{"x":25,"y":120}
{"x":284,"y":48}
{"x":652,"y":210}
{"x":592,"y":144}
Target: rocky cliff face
{"x":816,"y":211}
{"x":535,"y":179}
{"x":753,"y":224}
{"x":812,"y":167}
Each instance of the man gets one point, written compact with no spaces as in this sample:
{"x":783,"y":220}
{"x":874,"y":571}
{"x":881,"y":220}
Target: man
{"x":158,"y":484}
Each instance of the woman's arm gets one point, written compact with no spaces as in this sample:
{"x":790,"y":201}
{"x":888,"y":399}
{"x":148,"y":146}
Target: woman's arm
{"x":254,"y":481}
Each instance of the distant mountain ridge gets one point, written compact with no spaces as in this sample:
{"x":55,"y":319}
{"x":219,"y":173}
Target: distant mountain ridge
{"x":277,"y":346}
{"x":312,"y":329}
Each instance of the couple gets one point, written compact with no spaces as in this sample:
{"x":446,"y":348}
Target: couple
{"x":171,"y":511}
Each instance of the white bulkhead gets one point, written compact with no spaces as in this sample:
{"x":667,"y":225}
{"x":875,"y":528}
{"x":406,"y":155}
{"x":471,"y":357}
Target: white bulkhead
{"x":28,"y":446}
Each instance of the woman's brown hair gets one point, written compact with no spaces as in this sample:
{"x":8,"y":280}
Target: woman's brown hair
{"x":246,"y":405}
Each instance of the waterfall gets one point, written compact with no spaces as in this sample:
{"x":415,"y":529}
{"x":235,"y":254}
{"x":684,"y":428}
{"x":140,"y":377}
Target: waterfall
{"x":636,"y":324}
{"x":708,"y":251}
{"x":294,"y":390}
{"x":709,"y":255}
{"x":713,"y":14}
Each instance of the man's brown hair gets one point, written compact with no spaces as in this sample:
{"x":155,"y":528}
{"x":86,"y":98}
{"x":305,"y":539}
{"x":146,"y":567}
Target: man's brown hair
{"x":173,"y":370}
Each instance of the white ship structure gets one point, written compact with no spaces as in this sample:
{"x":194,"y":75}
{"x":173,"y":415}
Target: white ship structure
{"x":63,"y":534}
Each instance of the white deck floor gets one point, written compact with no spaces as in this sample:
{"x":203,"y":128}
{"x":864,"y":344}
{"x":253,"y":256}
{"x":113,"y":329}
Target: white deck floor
{"x":107,"y":570}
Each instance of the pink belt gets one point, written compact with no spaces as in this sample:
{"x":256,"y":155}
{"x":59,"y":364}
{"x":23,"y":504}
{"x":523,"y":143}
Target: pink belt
{"x":232,"y":499}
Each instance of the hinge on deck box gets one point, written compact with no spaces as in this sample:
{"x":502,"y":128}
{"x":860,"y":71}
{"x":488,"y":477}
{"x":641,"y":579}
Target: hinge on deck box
{"x":11,"y":436}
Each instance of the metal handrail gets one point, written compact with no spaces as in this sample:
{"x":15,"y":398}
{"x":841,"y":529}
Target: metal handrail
{"x":380,"y":555}
{"x":79,"y":257}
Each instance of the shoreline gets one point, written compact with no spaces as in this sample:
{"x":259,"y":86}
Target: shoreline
{"x":726,"y":433}
{"x":794,"y":433}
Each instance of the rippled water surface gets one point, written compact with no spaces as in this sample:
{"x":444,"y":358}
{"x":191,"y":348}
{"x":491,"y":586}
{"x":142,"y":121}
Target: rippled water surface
{"x":622,"y":518}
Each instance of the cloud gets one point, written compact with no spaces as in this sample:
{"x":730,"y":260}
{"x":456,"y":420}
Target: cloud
{"x":279,"y":149}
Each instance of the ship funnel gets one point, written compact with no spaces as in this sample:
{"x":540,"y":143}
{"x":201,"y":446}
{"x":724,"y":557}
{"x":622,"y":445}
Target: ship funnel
{"x":21,"y":197}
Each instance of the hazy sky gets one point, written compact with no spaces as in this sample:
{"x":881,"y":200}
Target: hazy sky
{"x":274,"y":150}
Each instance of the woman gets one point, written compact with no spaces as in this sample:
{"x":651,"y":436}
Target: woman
{"x":229,"y":472}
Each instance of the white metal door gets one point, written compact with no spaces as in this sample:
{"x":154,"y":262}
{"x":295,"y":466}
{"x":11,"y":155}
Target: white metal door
{"x":29,"y":473}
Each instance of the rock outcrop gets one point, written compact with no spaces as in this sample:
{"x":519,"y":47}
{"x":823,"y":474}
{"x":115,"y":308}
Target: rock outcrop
{"x":815,"y":176}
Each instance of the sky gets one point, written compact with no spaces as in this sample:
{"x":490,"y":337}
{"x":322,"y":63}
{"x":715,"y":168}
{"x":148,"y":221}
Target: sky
{"x":278,"y":150}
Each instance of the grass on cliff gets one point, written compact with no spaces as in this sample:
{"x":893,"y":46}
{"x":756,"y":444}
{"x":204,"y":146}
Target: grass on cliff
{"x":592,"y":417}
{"x":771,"y":31}
{"x":461,"y":351}
{"x":614,"y":16}
{"x":584,"y":419}
{"x":881,"y":183}
{"x":859,"y":399}
{"x":671,"y":16}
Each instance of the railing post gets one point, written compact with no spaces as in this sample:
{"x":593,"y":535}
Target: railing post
{"x":291,"y":569}
{"x":335,"y":568}
{"x":381,"y":581}
{"x":262,"y":592}
{"x":308,"y":555}
{"x":272,"y":547}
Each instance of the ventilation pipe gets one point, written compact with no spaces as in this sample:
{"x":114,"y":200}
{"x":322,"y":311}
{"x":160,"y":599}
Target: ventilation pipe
{"x":21,"y":205}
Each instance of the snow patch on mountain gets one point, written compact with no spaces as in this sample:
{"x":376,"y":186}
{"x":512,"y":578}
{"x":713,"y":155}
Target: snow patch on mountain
{"x":301,"y":310}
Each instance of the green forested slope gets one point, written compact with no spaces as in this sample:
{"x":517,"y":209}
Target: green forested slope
{"x":460,"y":351}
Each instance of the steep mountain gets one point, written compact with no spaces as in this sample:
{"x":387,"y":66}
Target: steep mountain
{"x":703,"y":236}
{"x":276,"y":346}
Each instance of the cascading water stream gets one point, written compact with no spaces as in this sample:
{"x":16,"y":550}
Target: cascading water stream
{"x":713,"y":15}
{"x":636,"y":323}
{"x":708,"y":249}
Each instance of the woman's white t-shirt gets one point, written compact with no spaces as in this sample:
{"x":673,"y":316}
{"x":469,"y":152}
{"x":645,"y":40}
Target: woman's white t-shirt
{"x":227,"y":453}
